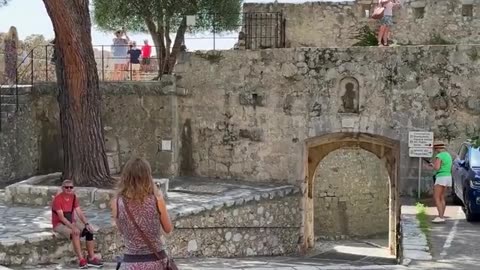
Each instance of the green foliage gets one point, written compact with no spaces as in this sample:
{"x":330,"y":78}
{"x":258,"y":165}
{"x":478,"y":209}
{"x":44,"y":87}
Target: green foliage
{"x":366,"y":37}
{"x":475,"y":141}
{"x":212,"y":56}
{"x":422,"y":217}
{"x":437,"y":39}
{"x":111,"y":15}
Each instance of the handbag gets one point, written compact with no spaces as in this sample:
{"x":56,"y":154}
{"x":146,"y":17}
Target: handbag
{"x":171,"y":265}
{"x":378,"y":11}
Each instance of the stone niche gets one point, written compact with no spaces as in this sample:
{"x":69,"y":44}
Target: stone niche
{"x":349,"y":95}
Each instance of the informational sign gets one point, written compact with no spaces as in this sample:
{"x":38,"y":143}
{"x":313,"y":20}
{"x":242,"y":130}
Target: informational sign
{"x":420,"y":145}
{"x":166,"y":145}
{"x":420,"y":139}
{"x":421,"y":152}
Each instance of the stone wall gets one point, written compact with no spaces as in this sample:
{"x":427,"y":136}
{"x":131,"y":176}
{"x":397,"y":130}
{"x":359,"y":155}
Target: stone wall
{"x":335,"y":24}
{"x":267,"y":227}
{"x":136,"y":118}
{"x":248,"y":113}
{"x":351,"y":195}
{"x":19,"y":152}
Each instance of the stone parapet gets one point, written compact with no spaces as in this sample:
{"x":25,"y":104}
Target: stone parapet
{"x":31,"y":192}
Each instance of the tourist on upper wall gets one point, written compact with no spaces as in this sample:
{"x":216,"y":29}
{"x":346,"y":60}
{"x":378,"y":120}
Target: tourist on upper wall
{"x":146,"y":54}
{"x":134,"y":61}
{"x":120,"y":57}
{"x":442,"y":165}
{"x":386,"y":21}
{"x":140,"y":213}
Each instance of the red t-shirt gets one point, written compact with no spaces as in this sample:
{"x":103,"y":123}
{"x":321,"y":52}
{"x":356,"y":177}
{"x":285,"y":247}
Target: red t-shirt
{"x":146,"y":51}
{"x":62,"y":202}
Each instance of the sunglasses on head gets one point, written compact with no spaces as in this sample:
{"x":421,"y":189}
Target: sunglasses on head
{"x":68,"y":187}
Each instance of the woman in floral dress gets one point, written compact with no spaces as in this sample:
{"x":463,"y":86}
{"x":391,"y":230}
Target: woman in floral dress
{"x":138,"y":194}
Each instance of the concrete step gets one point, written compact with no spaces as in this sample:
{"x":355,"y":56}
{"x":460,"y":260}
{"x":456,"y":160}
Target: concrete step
{"x":12,"y":99}
{"x":8,"y":107}
{"x":12,"y":90}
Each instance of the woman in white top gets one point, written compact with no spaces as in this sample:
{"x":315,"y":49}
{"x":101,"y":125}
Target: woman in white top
{"x":387,"y":21}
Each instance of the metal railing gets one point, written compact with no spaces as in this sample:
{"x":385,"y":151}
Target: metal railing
{"x":21,"y":71}
{"x":249,"y":30}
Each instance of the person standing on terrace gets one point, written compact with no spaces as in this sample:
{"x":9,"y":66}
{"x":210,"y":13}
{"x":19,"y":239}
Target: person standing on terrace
{"x":146,"y":54}
{"x":387,"y":21}
{"x":120,"y":57}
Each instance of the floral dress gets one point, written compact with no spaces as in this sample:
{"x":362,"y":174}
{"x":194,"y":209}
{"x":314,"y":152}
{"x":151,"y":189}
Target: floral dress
{"x":148,"y":219}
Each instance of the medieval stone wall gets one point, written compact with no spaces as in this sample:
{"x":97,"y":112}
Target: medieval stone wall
{"x":248,"y":113}
{"x":137,"y":117}
{"x":19,"y":152}
{"x":335,"y":24}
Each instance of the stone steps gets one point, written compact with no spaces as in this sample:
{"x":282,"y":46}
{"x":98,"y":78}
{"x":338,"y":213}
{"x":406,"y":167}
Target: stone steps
{"x":6,"y":107}
{"x":8,"y":104}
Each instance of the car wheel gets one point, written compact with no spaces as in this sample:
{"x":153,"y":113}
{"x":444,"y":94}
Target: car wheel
{"x":470,"y":217}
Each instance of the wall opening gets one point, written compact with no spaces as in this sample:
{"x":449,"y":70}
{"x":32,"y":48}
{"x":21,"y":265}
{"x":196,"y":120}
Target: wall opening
{"x":419,"y":12}
{"x":318,"y":148}
{"x":351,"y":196}
{"x":467,"y":10}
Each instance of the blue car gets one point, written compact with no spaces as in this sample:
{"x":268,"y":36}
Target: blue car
{"x":466,"y":180}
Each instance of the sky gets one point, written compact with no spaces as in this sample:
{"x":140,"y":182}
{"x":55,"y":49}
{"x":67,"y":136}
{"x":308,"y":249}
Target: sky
{"x":32,"y":18}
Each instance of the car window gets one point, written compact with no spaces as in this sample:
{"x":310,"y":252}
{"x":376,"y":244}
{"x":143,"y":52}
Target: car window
{"x":462,"y":152}
{"x":475,"y":157}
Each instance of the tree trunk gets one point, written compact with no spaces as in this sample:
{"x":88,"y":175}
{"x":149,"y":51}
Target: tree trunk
{"x":85,"y":161}
{"x":179,"y":40}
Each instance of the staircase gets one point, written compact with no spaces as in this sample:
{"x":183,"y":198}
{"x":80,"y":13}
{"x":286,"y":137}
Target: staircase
{"x":8,"y":102}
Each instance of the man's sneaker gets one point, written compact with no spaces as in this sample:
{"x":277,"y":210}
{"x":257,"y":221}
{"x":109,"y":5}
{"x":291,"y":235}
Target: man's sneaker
{"x":83,"y":264}
{"x":95,"y":262}
{"x":438,"y":220}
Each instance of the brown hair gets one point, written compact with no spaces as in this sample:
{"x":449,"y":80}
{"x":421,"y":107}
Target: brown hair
{"x":136,"y":182}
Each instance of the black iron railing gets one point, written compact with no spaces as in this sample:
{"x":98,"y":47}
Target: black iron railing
{"x":22,"y":70}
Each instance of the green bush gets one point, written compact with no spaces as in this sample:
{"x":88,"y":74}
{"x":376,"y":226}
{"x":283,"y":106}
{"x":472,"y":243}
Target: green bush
{"x":366,"y":37}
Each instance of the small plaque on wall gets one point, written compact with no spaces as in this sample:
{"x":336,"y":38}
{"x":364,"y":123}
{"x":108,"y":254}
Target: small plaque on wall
{"x":166,"y":145}
{"x":348,"y":122}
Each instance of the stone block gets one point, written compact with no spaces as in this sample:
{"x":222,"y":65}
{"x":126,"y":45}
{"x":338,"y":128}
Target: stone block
{"x":418,"y":3}
{"x":252,"y":99}
{"x":255,"y":135}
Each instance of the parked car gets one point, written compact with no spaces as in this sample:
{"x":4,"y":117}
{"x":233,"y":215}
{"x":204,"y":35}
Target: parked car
{"x":466,"y":180}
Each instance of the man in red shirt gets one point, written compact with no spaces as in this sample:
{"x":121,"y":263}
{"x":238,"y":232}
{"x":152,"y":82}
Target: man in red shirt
{"x":69,"y":220}
{"x":146,"y":54}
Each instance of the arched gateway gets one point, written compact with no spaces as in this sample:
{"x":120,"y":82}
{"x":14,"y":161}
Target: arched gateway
{"x":386,"y":149}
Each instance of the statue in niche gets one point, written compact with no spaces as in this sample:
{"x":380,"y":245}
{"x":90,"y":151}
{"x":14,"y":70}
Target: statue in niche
{"x":349,"y":96}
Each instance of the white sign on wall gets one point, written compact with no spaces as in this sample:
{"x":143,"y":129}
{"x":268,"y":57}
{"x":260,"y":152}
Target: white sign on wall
{"x":420,"y":139}
{"x":420,"y":152}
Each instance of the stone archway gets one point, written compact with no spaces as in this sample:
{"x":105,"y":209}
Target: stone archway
{"x":384,"y":148}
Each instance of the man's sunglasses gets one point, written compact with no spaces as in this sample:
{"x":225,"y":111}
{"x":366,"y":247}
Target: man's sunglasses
{"x":68,"y":187}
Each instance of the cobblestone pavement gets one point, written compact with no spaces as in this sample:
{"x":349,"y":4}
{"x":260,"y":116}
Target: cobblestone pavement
{"x":326,"y":255}
{"x":456,"y":243}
